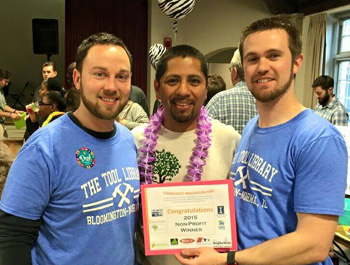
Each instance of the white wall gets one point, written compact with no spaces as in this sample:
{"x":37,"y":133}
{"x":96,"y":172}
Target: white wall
{"x":16,"y":43}
{"x":210,"y":26}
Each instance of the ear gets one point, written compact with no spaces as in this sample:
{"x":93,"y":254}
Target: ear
{"x":234,"y":75}
{"x":55,"y":73}
{"x":156,"y":89}
{"x":298,"y":61}
{"x":76,"y":79}
{"x":206,"y":91}
{"x":330,"y":91}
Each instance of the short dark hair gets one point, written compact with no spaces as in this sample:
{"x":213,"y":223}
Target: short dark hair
{"x":294,"y":41}
{"x":69,"y":75}
{"x":56,"y":98}
{"x":50,"y":64}
{"x":53,"y":84}
{"x":101,"y":38}
{"x":325,"y":81}
{"x":72,"y":99}
{"x":181,"y":51}
{"x":4,"y":73}
{"x":216,"y":84}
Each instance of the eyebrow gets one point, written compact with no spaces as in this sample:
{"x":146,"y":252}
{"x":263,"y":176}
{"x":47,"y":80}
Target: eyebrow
{"x":190,"y":76}
{"x":105,"y":69}
{"x":124,"y":71}
{"x":268,"y":51}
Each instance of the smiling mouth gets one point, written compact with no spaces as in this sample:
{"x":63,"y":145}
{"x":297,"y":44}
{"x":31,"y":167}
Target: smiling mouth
{"x":110,"y":100}
{"x":264,"y":80}
{"x":182,"y":104}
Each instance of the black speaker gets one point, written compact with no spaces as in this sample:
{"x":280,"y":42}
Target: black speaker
{"x":45,"y":36}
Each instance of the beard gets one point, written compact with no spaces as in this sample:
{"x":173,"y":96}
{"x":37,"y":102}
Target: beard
{"x":102,"y":112}
{"x":324,"y":101}
{"x":181,"y":116}
{"x":276,"y":93}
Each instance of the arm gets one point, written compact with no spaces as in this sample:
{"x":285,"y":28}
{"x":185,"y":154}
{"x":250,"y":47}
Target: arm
{"x":13,"y":116}
{"x":309,"y":243}
{"x":33,"y":116}
{"x":340,"y":118}
{"x":16,"y":236}
{"x":24,"y":199}
{"x":12,"y":110}
{"x":135,"y":117}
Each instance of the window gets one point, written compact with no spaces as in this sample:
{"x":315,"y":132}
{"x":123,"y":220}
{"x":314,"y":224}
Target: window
{"x":341,"y":61}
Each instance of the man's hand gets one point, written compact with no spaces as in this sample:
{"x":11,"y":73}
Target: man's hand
{"x":201,"y":256}
{"x":15,"y":116}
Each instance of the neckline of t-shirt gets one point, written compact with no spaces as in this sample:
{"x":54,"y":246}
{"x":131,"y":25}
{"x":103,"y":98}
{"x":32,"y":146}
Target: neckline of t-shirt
{"x":184,"y":134}
{"x":98,"y":135}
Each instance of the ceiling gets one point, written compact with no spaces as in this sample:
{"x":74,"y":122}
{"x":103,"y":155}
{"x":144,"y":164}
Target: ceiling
{"x":306,"y":7}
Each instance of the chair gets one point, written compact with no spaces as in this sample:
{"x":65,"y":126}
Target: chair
{"x":17,"y":97}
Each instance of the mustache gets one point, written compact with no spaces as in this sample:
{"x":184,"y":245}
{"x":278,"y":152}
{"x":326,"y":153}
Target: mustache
{"x":110,"y":94}
{"x":184,"y":99}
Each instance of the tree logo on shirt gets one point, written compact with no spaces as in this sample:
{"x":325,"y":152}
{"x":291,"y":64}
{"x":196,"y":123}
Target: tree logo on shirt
{"x":165,"y":166}
{"x":85,"y":158}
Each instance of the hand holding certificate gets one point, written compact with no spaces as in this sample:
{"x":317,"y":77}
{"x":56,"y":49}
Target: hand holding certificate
{"x":188,"y":215}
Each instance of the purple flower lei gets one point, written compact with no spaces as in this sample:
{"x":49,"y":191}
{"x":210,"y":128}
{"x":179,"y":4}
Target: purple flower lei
{"x":199,"y":154}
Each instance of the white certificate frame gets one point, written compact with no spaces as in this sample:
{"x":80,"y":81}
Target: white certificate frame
{"x":188,"y":215}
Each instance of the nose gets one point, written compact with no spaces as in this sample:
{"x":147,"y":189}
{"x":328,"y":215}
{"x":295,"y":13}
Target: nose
{"x":111,"y":84}
{"x":183,"y":89}
{"x":263,"y":65}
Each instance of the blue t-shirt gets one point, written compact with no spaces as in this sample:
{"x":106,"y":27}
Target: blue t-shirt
{"x":85,"y":189}
{"x":296,"y":167}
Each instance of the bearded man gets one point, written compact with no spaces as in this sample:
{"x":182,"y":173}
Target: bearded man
{"x":66,"y":193}
{"x":329,"y":107}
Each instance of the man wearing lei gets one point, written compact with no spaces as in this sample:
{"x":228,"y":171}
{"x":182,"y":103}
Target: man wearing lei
{"x":181,"y":143}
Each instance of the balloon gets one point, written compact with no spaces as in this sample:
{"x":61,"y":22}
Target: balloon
{"x":155,"y":53}
{"x":176,"y":9}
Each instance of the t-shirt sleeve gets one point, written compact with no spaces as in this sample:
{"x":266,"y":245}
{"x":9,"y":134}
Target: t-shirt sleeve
{"x":28,"y":186}
{"x":321,"y":170}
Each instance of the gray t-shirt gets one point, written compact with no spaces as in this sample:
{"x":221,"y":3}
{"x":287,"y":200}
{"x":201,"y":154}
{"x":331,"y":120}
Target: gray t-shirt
{"x":2,"y":104}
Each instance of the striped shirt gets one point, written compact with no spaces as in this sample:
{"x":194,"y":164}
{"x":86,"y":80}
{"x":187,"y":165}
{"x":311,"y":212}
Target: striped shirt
{"x":234,"y":107}
{"x":334,"y":112}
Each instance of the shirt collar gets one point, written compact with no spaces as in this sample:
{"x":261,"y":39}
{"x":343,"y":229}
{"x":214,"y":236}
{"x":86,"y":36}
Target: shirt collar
{"x":331,"y":104}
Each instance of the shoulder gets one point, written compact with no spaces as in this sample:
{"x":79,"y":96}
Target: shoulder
{"x":52,"y":130}
{"x":224,"y":131}
{"x":139,"y":134}
{"x":123,"y":131}
{"x":220,"y":97}
{"x":313,"y":127}
{"x":136,"y":91}
{"x":136,"y":106}
{"x":339,"y":106}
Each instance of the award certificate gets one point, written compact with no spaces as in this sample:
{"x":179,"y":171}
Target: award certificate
{"x":188,"y":215}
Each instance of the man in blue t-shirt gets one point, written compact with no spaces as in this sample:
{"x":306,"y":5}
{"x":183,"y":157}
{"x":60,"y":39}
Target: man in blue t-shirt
{"x":290,"y":167}
{"x":71,"y":196}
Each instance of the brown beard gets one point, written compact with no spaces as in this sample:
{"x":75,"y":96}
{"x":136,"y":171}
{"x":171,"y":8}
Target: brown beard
{"x":95,"y":109}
